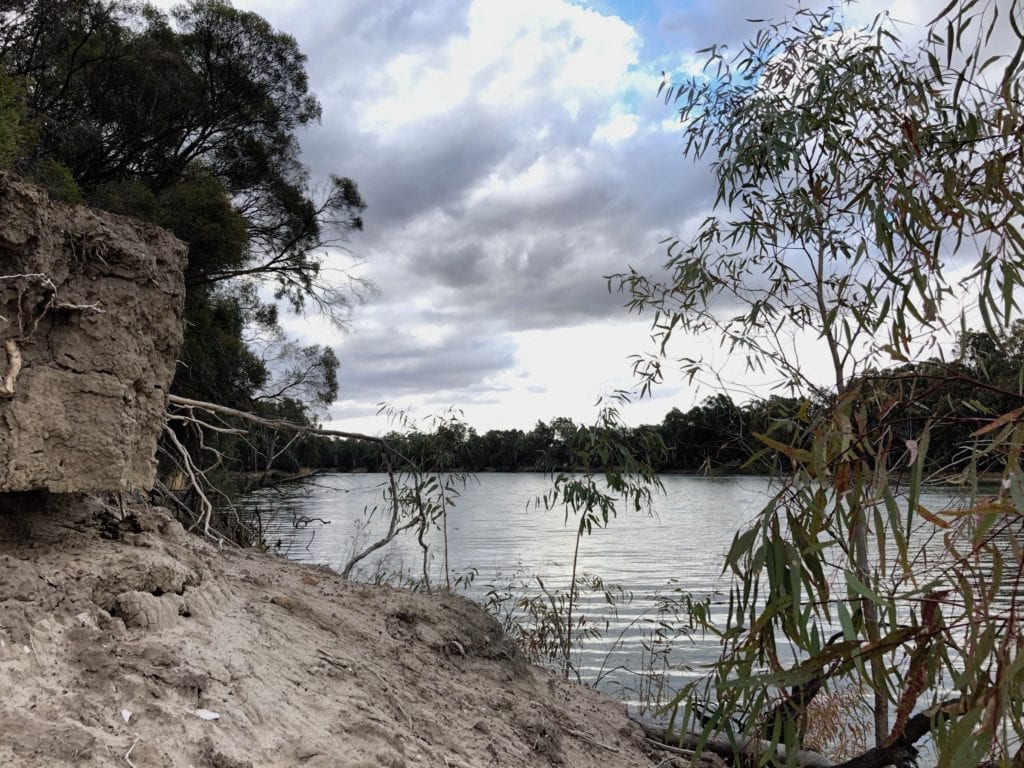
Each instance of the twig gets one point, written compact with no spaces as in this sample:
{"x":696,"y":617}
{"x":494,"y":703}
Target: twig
{"x":669,"y":748}
{"x":127,"y":755}
{"x":592,"y":742}
{"x":393,"y":527}
{"x":708,"y":759}
{"x":333,"y":661}
{"x":452,"y":762}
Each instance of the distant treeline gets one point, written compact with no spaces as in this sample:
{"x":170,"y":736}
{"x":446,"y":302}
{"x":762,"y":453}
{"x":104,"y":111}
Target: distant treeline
{"x":952,"y":400}
{"x":713,"y":435}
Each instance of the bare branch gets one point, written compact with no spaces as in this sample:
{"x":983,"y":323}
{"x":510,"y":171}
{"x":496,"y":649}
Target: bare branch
{"x":287,"y":426}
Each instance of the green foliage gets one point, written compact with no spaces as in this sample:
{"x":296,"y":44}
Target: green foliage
{"x":199,"y":211}
{"x":216,"y":364}
{"x":55,"y":178}
{"x":14,"y":132}
{"x":592,"y":496}
{"x":542,"y":620}
{"x":850,"y":171}
{"x":130,"y":197}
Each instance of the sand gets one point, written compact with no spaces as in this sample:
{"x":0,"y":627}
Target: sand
{"x":126,"y":641}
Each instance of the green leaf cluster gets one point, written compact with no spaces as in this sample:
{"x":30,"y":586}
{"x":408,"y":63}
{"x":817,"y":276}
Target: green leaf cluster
{"x":853,"y":171}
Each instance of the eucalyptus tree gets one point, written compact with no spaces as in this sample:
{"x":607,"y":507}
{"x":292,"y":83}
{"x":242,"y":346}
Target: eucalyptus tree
{"x":855,"y":175}
{"x":189,"y":119}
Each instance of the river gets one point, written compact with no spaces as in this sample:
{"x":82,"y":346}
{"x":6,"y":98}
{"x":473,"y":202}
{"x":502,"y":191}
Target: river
{"x":498,"y":534}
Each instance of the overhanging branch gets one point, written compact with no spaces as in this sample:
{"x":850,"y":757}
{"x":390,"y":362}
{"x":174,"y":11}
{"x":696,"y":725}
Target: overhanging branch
{"x":287,"y":426}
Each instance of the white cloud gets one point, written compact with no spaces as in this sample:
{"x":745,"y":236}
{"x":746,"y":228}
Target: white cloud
{"x":510,"y":56}
{"x":511,"y":153}
{"x":619,"y":128}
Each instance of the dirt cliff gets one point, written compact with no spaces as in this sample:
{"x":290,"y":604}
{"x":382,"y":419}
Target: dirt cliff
{"x":90,"y":328}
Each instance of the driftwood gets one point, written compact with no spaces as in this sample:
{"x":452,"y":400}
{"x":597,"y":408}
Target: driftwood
{"x":900,"y":750}
{"x":896,"y":751}
{"x":720,"y":745}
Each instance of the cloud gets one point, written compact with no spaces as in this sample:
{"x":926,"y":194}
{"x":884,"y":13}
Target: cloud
{"x":512,"y":154}
{"x":413,"y":364}
{"x":507,"y":166}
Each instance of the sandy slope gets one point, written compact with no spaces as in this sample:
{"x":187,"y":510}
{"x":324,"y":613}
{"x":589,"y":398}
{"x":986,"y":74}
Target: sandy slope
{"x":116,"y":627}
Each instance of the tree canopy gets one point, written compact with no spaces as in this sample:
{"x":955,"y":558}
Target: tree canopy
{"x":190,"y":119}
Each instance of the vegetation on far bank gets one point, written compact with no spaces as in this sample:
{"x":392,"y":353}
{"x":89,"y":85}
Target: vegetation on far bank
{"x":954,"y":398}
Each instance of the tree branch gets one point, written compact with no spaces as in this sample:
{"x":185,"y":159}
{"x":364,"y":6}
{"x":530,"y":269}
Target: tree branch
{"x":287,"y":426}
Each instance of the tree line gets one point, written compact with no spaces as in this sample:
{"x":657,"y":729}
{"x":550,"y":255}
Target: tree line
{"x":953,"y":398}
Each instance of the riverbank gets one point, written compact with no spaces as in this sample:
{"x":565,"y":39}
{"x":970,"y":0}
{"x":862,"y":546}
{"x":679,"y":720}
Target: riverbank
{"x":125,"y":640}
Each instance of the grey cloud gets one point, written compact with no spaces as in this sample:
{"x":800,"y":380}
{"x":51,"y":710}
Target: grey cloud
{"x":392,"y":364}
{"x":709,"y":22}
{"x":477,"y":271}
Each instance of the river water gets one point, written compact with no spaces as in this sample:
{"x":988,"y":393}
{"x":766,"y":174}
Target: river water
{"x":507,"y":542}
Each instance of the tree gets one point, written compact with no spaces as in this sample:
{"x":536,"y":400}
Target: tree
{"x":188,"y":120}
{"x":851,"y":170}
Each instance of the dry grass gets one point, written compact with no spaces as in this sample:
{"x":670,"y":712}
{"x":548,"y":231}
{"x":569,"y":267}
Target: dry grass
{"x":839,"y":722}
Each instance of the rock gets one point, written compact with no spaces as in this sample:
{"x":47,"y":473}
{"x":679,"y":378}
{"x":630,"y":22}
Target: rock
{"x":90,"y":328}
{"x":146,"y":611}
{"x":283,"y":601}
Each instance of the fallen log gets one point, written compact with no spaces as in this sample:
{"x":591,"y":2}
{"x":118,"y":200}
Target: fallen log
{"x":719,"y":744}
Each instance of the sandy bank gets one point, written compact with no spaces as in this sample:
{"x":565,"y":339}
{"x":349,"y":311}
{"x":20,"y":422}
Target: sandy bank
{"x":119,"y":633}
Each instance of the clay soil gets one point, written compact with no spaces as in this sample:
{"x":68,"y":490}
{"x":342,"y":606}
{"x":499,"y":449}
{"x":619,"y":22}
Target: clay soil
{"x":125,"y":641}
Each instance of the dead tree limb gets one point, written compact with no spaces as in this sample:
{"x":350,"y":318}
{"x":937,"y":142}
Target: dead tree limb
{"x":721,"y":745}
{"x":287,"y":426}
{"x":193,"y":474}
{"x":901,"y":751}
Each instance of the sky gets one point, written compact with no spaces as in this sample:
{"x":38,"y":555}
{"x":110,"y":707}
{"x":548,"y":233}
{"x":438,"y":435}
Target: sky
{"x":512,"y":154}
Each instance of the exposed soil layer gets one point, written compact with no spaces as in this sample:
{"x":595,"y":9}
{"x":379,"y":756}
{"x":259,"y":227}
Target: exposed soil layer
{"x":120,"y":633}
{"x":90,"y":328}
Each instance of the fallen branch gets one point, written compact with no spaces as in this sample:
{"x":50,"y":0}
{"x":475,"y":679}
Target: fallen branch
{"x":281,"y":424}
{"x":588,"y":740}
{"x":719,"y":744}
{"x":710,"y":760}
{"x":899,"y":750}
